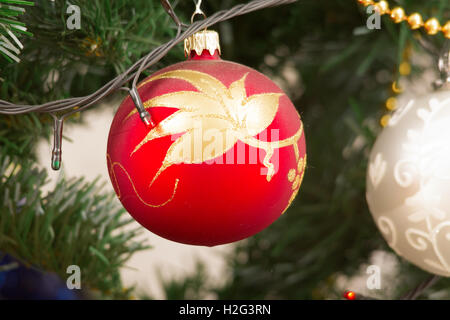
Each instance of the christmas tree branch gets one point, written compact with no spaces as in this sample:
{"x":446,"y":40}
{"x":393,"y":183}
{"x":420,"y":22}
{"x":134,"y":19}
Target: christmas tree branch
{"x":75,"y":224}
{"x":416,"y":292}
{"x":10,"y":45}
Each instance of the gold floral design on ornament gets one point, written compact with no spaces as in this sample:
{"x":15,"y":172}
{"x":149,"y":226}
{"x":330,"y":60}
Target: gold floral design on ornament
{"x":227,"y":114}
{"x":295,"y":176}
{"x":119,"y":194}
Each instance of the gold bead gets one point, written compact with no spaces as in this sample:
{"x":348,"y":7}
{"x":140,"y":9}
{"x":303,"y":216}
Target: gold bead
{"x":446,"y":30}
{"x":432,"y":26}
{"x":391,"y":103}
{"x":398,"y":14}
{"x":415,"y":21}
{"x":404,"y":68}
{"x":382,"y":7}
{"x":384,"y":121}
{"x":396,"y":88}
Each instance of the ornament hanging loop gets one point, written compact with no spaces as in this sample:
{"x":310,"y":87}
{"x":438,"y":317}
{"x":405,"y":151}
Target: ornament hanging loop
{"x":198,"y":11}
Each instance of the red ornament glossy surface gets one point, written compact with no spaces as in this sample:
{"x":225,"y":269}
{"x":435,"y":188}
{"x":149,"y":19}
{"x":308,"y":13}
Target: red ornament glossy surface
{"x":228,"y":194}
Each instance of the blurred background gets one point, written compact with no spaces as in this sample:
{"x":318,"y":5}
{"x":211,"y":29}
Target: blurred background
{"x":343,"y":79}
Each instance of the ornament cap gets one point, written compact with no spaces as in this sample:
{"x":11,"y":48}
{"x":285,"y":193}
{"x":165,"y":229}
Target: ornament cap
{"x":202,"y":40}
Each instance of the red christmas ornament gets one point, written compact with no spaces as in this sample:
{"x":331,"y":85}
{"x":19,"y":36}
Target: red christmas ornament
{"x":224,"y":158}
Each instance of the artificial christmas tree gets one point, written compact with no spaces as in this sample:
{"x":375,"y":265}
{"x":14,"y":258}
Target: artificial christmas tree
{"x":338,"y":73}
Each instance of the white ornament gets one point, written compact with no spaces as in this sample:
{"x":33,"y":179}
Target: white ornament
{"x":408,"y":182}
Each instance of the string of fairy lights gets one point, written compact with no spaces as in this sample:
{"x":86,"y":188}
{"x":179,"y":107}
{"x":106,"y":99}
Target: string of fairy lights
{"x":61,"y":109}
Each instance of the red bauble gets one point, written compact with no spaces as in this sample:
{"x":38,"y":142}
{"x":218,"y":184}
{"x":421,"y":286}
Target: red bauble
{"x":224,"y":160}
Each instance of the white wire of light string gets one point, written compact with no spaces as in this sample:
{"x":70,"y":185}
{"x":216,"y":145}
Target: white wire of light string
{"x":61,"y":109}
{"x":136,"y":69}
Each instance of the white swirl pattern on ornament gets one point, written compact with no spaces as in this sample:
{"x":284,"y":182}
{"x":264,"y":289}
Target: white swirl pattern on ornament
{"x":408,"y":182}
{"x":377,"y":169}
{"x":387,"y":227}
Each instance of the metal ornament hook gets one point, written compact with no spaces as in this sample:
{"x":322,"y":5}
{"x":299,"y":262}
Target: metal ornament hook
{"x":444,"y":67}
{"x":444,"y":61}
{"x":198,"y":10}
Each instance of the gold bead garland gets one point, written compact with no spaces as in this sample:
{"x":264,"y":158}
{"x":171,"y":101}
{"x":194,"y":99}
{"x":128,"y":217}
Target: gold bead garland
{"x":415,"y":21}
{"x":391,"y":102}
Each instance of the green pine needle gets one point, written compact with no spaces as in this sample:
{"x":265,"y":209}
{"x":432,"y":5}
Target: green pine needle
{"x":75,"y":224}
{"x":10,"y":45}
